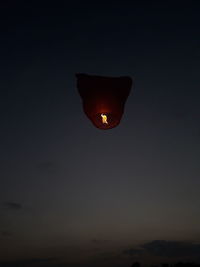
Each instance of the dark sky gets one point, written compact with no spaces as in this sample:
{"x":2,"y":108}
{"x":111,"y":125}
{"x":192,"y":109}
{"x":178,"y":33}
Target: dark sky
{"x":72,"y":194}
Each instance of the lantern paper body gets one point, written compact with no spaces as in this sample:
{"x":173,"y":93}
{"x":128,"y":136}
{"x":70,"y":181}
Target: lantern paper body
{"x":103,"y":97}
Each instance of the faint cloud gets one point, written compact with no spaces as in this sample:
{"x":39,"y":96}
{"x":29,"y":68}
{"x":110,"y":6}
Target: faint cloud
{"x":5,"y":234}
{"x":180,"y":115}
{"x":47,"y":167}
{"x":175,"y":110}
{"x":100,"y":241}
{"x":133,"y":252}
{"x":27,"y":263}
{"x":12,"y":206}
{"x":169,"y":249}
{"x":172,"y":248}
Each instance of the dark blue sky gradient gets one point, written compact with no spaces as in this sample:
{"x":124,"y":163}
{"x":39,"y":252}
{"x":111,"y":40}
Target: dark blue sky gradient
{"x":76,"y":195}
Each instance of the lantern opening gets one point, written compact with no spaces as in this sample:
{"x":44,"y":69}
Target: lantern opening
{"x":104,"y":119}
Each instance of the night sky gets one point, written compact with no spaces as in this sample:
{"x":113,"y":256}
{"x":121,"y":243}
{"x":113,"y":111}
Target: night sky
{"x":74,"y":195}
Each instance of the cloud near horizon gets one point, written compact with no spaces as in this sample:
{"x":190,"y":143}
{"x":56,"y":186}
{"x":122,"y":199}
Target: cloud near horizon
{"x":12,"y":206}
{"x":26,"y":263}
{"x":167,"y":249}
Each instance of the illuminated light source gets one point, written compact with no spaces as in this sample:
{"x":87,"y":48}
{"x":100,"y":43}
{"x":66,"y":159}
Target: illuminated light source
{"x":103,"y":98}
{"x":104,"y":118}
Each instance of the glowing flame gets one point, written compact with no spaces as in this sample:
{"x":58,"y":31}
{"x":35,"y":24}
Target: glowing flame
{"x":104,"y":119}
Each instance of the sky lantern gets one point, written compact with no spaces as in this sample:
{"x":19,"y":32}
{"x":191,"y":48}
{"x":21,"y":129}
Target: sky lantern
{"x":103,"y":98}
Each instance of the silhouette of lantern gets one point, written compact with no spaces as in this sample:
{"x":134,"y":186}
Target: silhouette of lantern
{"x":103,"y":98}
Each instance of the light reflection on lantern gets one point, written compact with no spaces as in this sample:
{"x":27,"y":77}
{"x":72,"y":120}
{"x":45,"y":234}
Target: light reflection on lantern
{"x":103,"y":98}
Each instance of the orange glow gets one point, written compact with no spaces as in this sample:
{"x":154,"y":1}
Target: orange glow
{"x":103,"y":98}
{"x":104,"y":119}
